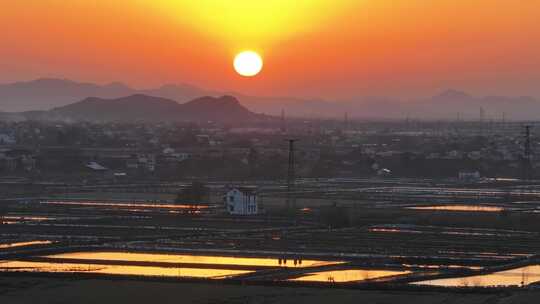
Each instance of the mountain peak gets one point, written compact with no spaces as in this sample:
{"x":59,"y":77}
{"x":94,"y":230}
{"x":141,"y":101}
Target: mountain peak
{"x":47,"y":82}
{"x":49,"y":79}
{"x":225,"y":99}
{"x":117,"y":85}
{"x":177,"y":86}
{"x":229,"y":99}
{"x":452,"y":94}
{"x":142,"y":107}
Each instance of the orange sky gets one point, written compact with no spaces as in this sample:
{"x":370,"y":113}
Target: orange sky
{"x":311,"y":48}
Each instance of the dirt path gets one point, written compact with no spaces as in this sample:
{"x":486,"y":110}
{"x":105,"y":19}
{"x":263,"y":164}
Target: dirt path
{"x":28,"y":290}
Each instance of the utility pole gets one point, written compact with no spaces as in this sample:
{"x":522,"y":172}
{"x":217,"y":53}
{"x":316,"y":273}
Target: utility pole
{"x":527,"y":168}
{"x":482,"y":114}
{"x":291,"y":200}
{"x":482,"y":117}
{"x":252,"y":162}
{"x":283,"y":123}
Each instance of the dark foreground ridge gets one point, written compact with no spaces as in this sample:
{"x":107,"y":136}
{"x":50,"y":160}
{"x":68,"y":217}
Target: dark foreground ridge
{"x":88,"y":290}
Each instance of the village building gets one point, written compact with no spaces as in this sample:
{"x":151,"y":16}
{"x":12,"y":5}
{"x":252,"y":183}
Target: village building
{"x":241,"y":201}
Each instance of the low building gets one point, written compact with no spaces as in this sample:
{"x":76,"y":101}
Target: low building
{"x":95,"y":166}
{"x":132,"y":163}
{"x":469,"y":176}
{"x":6,"y":139}
{"x":241,"y":201}
{"x":384,"y":172}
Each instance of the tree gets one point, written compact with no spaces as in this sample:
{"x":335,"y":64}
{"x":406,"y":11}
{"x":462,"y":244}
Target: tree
{"x":195,"y":193}
{"x":334,"y":216}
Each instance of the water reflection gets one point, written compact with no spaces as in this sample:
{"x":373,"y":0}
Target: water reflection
{"x":118,"y":269}
{"x":461,"y":208}
{"x":191,"y":259}
{"x":22,"y":244}
{"x":28,"y":218}
{"x":426,"y":266}
{"x":515,"y":277}
{"x":128,"y":205}
{"x":21,"y":219}
{"x":394,"y":230}
{"x":349,"y":275}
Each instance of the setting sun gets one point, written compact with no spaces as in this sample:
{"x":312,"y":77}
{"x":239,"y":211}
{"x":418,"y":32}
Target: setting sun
{"x":248,"y":63}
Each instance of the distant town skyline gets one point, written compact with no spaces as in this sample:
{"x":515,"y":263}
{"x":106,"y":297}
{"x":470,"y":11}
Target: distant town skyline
{"x":334,"y":50}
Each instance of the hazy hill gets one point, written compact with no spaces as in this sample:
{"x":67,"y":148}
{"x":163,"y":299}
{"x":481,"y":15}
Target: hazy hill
{"x":46,"y":94}
{"x":181,"y":93}
{"x":452,"y":104}
{"x":448,"y":105}
{"x":141,"y":107}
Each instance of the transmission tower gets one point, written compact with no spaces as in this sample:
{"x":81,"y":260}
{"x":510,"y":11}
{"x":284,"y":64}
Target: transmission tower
{"x":291,"y":201}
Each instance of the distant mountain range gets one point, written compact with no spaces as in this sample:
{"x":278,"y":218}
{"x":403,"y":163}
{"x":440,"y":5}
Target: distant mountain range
{"x":45,"y":94}
{"x":48,"y":94}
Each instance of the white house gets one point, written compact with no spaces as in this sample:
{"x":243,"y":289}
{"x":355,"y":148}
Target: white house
{"x":241,"y":201}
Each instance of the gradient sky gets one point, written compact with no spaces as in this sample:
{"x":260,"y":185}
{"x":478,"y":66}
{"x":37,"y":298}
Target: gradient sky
{"x":335,"y":49}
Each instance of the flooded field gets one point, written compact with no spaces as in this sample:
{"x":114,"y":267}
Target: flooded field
{"x":441,"y":267}
{"x":450,"y":231}
{"x":384,"y":238}
{"x":126,"y":205}
{"x":192,"y":259}
{"x":147,"y":264}
{"x":25,"y":266}
{"x":27,"y":218}
{"x":34,"y":218}
{"x":515,"y":277}
{"x":22,"y":244}
{"x":22,"y":219}
{"x":459,"y":208}
{"x":349,"y":275}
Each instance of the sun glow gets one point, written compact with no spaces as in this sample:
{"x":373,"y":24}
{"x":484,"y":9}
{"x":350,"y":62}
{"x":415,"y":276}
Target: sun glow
{"x":248,"y":63}
{"x":260,"y":23}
